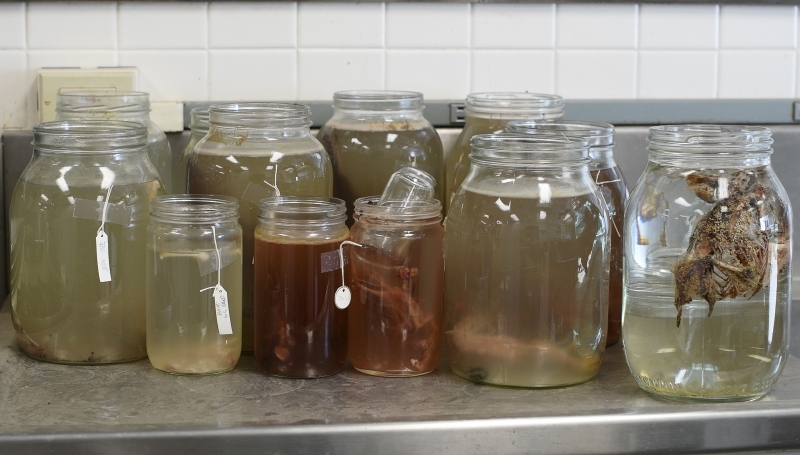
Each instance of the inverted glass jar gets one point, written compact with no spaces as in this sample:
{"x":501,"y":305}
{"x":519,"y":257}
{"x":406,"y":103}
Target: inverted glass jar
{"x":100,"y":104}
{"x":372,"y":134}
{"x":255,"y":151}
{"x":299,"y":332}
{"x":85,"y":177}
{"x":608,"y":177}
{"x":396,"y":276}
{"x":194,"y":244}
{"x":488,"y":113}
{"x":199,"y":127}
{"x":527,"y":261}
{"x":707,"y":265}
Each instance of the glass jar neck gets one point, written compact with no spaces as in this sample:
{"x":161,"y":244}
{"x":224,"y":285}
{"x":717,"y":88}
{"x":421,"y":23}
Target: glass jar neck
{"x":710,"y":146}
{"x":142,"y":117}
{"x":89,"y":137}
{"x":601,"y":157}
{"x":195,"y":209}
{"x":238,"y":134}
{"x":300,"y":213}
{"x":367,"y":210}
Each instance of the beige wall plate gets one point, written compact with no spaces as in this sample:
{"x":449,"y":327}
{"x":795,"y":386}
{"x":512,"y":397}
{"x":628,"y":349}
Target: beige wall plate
{"x":54,"y":80}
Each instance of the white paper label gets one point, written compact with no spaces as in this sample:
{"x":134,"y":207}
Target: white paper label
{"x":223,"y":315}
{"x":103,"y":264}
{"x":342,"y":297}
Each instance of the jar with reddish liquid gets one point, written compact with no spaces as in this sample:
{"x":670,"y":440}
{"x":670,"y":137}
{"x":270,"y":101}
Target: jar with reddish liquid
{"x":396,"y":276}
{"x":299,"y":332}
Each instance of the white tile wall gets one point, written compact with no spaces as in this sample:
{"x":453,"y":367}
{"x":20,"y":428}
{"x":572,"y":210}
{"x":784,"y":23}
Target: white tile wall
{"x":188,"y":51}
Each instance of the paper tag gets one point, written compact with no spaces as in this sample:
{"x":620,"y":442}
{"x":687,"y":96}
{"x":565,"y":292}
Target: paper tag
{"x":330,"y":261}
{"x":103,"y":265}
{"x":223,"y":315}
{"x":342,"y":297}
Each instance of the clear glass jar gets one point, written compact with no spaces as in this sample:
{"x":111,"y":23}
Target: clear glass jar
{"x":397,"y":280}
{"x":85,"y":177}
{"x":127,"y":106}
{"x":707,"y":265}
{"x":371,"y":135}
{"x":527,"y":264}
{"x":299,"y":332}
{"x":608,"y":177}
{"x":255,"y":151}
{"x":199,"y":127}
{"x":489,"y":113}
{"x":194,"y":244}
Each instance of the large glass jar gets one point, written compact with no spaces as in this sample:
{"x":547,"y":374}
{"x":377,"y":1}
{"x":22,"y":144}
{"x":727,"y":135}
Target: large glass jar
{"x":254,"y":151}
{"x":488,"y":113}
{"x":527,"y":264}
{"x":199,"y":127}
{"x":299,"y":332}
{"x":194,"y":284}
{"x":374,"y":133}
{"x":88,"y":183}
{"x":101,"y":104}
{"x":707,"y":265}
{"x":608,"y":177}
{"x":397,"y":279}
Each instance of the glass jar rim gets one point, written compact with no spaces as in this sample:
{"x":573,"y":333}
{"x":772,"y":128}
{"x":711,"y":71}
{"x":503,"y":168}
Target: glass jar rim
{"x":89,"y":136}
{"x":378,"y":100}
{"x":595,"y":133}
{"x":194,"y":208}
{"x":706,"y":139}
{"x":303,"y":210}
{"x":96,"y":101}
{"x":417,"y":210}
{"x":514,"y":149}
{"x":198,"y":119}
{"x":522,"y":103}
{"x":260,"y":115}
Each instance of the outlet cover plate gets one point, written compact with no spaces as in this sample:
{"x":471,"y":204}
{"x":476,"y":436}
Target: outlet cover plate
{"x":54,"y":80}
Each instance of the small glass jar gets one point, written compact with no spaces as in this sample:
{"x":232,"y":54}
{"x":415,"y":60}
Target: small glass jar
{"x":87,"y":180}
{"x":708,"y":234}
{"x":101,"y":104}
{"x":527,"y":264}
{"x":199,"y":127}
{"x":194,"y":245}
{"x":255,"y":151}
{"x":299,"y":332}
{"x":396,"y":277}
{"x":488,"y":113}
{"x":608,"y":177}
{"x":371,"y":135}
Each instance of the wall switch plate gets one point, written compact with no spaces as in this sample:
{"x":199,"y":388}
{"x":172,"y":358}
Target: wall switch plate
{"x":54,"y":80}
{"x":167,"y":115}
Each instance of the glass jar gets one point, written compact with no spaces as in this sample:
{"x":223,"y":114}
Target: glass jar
{"x":608,"y":177}
{"x":527,"y":264}
{"x":488,"y":113}
{"x":89,"y":182}
{"x":255,"y":151}
{"x":707,"y":265}
{"x":374,"y":133}
{"x":397,"y":280}
{"x":199,"y":127}
{"x":299,"y":333}
{"x":101,"y":104}
{"x":194,"y":245}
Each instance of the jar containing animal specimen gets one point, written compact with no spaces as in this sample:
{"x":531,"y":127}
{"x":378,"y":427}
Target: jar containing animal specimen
{"x":608,"y":177}
{"x":194,"y":284}
{"x":707,"y":265}
{"x":299,"y":332}
{"x":78,"y":218}
{"x":255,"y":151}
{"x":199,"y":127}
{"x":104,"y":104}
{"x":527,"y":264}
{"x":374,"y":133}
{"x":488,"y":113}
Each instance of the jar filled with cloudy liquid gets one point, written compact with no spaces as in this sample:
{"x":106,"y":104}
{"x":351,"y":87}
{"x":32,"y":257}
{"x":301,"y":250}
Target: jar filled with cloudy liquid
{"x":255,"y":151}
{"x":527,"y":263}
{"x":199,"y":127}
{"x":194,"y":284}
{"x":78,"y":223}
{"x":488,"y":113}
{"x":707,"y":265}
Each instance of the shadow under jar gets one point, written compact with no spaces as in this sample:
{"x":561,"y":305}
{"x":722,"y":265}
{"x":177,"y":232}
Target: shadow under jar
{"x":527,"y":264}
{"x":707,"y":265}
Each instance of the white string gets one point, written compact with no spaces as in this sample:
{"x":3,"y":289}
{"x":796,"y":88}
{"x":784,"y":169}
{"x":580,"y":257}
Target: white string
{"x":341,"y":256}
{"x":219,"y":262}
{"x":105,"y":210}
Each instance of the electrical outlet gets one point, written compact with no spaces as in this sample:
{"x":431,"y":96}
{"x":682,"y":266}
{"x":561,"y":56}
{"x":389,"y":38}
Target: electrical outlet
{"x":54,"y":80}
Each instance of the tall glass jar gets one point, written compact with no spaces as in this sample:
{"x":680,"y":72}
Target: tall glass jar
{"x":608,"y":177}
{"x":374,"y":133}
{"x":254,"y":151}
{"x":199,"y":127}
{"x":397,"y":279}
{"x":527,"y":264}
{"x":127,"y":106}
{"x":488,"y":113}
{"x":299,"y":332}
{"x":86,"y":190}
{"x":707,"y":265}
{"x":194,"y":256}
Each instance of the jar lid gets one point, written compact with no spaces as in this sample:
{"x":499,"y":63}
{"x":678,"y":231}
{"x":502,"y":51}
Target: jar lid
{"x":303,"y":210}
{"x":102,"y":101}
{"x":378,"y":100}
{"x":194,"y":208}
{"x":710,"y":139}
{"x":526,"y":104}
{"x":595,"y":133}
{"x":260,"y":115}
{"x":89,"y":136}
{"x":513,"y":150}
{"x":199,"y":119}
{"x":414,"y":210}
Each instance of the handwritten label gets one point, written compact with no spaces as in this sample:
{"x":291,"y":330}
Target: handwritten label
{"x":223,"y":314}
{"x":103,"y":264}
